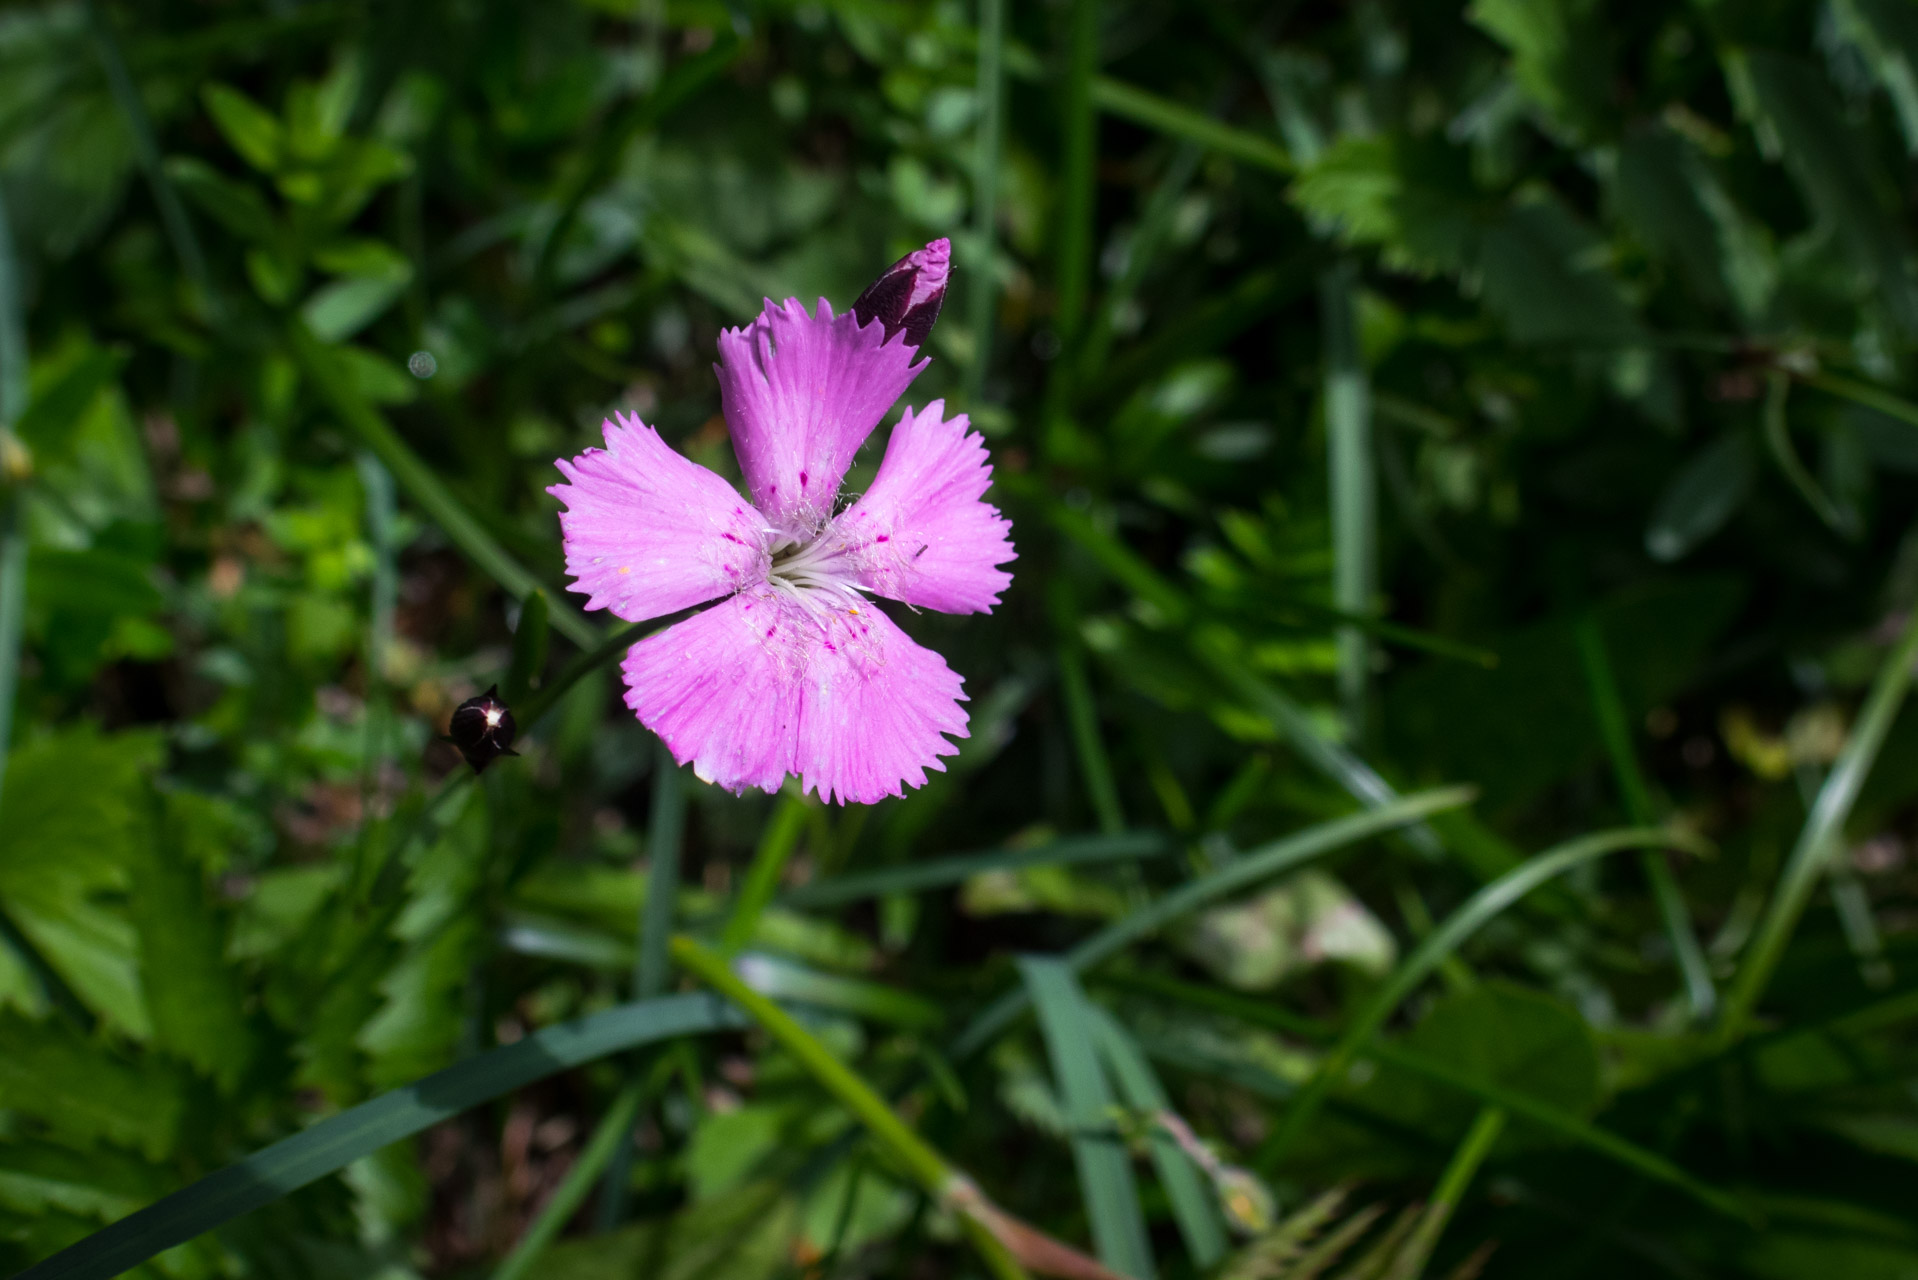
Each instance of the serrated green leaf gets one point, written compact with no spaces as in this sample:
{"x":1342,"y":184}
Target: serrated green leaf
{"x":194,"y":997}
{"x":1411,"y":198}
{"x":76,"y":1088}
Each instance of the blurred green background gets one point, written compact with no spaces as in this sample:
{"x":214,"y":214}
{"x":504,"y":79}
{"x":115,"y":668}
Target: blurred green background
{"x":1388,"y":397}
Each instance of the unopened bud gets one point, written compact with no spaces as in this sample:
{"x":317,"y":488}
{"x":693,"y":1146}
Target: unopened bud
{"x":482,"y":728}
{"x":907,"y":295}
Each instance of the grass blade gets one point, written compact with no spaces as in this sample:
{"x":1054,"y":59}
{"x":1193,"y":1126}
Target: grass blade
{"x":1176,"y":120}
{"x":336,"y":1142}
{"x":1481,"y":907}
{"x":1610,"y":712}
{"x":1163,"y":115}
{"x":615,"y":1128}
{"x":1185,"y":1187}
{"x":1352,"y":487}
{"x":1458,"y":1175}
{"x":858,"y":886}
{"x":146,"y":149}
{"x":1820,"y":835}
{"x":1261,"y":864}
{"x":1572,"y":1128}
{"x":1099,"y":1153}
{"x":776,"y":845}
{"x":982,"y":291}
{"x":937,"y":1178}
{"x":426,"y":488}
{"x":1078,"y":197}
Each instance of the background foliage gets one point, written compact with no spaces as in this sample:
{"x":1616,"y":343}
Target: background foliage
{"x":1385,"y":395}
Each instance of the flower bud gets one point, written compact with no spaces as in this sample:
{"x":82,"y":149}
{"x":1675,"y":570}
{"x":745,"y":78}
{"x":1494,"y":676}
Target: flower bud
{"x":907,"y":295}
{"x":482,"y":728}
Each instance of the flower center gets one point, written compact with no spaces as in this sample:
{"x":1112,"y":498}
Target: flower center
{"x":818,"y":574}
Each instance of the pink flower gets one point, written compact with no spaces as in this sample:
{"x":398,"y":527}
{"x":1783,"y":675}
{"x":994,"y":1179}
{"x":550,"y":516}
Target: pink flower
{"x":796,"y":671}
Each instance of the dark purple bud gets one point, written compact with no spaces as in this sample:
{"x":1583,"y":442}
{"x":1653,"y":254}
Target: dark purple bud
{"x":482,"y":729}
{"x":907,"y":294}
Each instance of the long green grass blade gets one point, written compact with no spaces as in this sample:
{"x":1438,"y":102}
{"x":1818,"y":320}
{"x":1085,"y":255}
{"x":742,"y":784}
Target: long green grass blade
{"x":1480,"y":908}
{"x":938,"y":1179}
{"x":1081,"y":713}
{"x":426,"y":488}
{"x":334,"y":1143}
{"x":1185,"y":1187}
{"x":1176,"y":120}
{"x":1098,"y":1152}
{"x":1351,"y":485}
{"x":776,"y":845}
{"x":1546,"y":1116}
{"x":1609,"y":709}
{"x":146,"y":150}
{"x":616,"y":1127}
{"x":1459,"y":1172}
{"x":1823,"y":830}
{"x":937,"y":874}
{"x":13,"y":539}
{"x":1078,"y":189}
{"x":1162,"y":115}
{"x":982,"y":291}
{"x":1261,"y":864}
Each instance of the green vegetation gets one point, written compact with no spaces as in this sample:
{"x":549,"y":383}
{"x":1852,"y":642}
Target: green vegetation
{"x":1440,"y":786}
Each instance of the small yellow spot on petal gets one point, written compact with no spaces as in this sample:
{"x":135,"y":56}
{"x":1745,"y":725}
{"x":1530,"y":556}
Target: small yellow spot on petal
{"x":626,"y":568}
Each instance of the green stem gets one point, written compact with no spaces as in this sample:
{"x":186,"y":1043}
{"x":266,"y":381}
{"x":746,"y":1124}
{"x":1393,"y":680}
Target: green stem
{"x":1118,"y":98}
{"x":1348,"y":441}
{"x":1778,"y":440}
{"x":915,"y":1156}
{"x":614,"y":1129}
{"x":776,"y":845}
{"x":1609,"y":708}
{"x":990,"y":88}
{"x":578,"y":669}
{"x":1821,"y":833}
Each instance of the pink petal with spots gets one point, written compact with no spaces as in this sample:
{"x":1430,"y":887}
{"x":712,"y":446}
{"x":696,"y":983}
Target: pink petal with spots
{"x":648,"y":532}
{"x":801,"y":394}
{"x":761,"y":686}
{"x":921,"y":534}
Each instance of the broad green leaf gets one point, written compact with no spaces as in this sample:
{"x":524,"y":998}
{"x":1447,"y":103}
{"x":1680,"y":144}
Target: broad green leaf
{"x":1542,"y":276}
{"x":1701,"y":496}
{"x":338,"y":310}
{"x":1677,"y":205}
{"x":58,"y":402}
{"x":236,"y":205}
{"x":252,"y":130}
